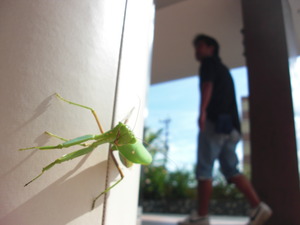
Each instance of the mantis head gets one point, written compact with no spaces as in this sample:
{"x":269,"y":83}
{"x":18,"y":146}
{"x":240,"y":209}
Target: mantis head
{"x":130,"y":148}
{"x":125,"y":135}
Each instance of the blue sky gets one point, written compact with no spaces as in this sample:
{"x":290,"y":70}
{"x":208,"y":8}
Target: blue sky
{"x":179,"y":101}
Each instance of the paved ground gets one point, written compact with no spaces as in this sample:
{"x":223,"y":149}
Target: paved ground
{"x":156,"y":219}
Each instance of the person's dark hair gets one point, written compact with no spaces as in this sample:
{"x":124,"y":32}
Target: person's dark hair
{"x":207,"y":40}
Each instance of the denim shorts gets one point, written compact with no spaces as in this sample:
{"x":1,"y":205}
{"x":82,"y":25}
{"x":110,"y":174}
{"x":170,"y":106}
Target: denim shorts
{"x":212,"y":146}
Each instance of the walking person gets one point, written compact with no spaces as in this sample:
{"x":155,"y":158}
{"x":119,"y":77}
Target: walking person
{"x":219,"y":133}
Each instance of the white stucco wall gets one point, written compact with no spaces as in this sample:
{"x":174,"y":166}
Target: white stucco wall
{"x":70,"y":47}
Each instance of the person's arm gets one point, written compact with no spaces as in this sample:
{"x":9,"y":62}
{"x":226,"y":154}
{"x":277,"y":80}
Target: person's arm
{"x":206,"y":92}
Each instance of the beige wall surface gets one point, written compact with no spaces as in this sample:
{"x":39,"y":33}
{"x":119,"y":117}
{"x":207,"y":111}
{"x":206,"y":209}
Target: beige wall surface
{"x":69,"y":47}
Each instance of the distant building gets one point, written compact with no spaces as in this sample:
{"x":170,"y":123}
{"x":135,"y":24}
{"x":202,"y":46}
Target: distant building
{"x":245,"y":125}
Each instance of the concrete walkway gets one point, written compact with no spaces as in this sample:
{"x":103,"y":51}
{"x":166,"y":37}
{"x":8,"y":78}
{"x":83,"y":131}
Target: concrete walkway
{"x":163,"y":219}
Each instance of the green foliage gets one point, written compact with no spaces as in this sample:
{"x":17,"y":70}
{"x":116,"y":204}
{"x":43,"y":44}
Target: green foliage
{"x":153,"y":182}
{"x":159,"y":183}
{"x":181,"y":185}
{"x":224,"y":191}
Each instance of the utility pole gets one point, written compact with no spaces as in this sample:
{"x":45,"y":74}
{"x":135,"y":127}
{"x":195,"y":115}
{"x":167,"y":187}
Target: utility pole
{"x":166,"y":123}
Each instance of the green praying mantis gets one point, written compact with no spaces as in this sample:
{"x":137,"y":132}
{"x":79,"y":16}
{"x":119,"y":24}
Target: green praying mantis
{"x":120,"y":137}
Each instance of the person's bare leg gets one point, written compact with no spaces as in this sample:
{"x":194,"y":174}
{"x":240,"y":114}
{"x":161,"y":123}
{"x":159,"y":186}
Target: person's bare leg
{"x":243,"y":184}
{"x":204,"y":194}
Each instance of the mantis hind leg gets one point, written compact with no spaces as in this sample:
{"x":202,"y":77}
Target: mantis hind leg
{"x":85,"y":107}
{"x":64,"y":158}
{"x":76,"y":141}
{"x":115,"y":184}
{"x":63,"y":139}
{"x":56,"y":136}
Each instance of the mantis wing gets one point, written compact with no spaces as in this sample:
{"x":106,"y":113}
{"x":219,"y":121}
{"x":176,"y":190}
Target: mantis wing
{"x":135,"y":153}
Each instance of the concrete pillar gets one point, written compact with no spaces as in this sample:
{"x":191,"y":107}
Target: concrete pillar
{"x":135,"y":64}
{"x":75,"y":48}
{"x":274,"y":155}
